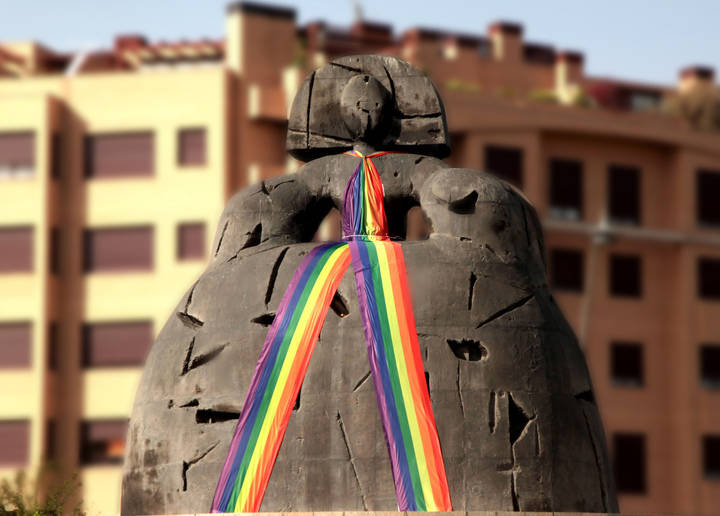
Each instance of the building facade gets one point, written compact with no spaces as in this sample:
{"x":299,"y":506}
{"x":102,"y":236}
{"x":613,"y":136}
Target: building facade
{"x":116,"y":164}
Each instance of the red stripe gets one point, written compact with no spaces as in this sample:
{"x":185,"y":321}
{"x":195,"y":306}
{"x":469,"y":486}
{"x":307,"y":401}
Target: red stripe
{"x":295,"y":379}
{"x":411,"y":346}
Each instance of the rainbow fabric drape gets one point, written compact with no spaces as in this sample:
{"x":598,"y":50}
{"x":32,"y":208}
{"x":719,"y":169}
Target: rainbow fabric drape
{"x":393,"y":352}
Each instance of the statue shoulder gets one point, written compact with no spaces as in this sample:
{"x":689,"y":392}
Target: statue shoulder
{"x":479,"y":208}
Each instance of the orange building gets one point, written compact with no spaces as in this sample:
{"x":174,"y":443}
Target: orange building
{"x":115,"y":165}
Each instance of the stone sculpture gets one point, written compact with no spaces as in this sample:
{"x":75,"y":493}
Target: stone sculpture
{"x":513,"y":402}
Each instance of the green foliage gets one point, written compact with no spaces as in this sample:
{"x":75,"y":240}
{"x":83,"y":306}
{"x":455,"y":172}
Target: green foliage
{"x":38,"y":497}
{"x":582,"y":99}
{"x":460,"y":85}
{"x":544,"y":96}
{"x":576,"y":97}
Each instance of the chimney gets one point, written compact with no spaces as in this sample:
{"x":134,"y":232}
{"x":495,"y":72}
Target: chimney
{"x":259,"y":40}
{"x":694,"y":77}
{"x":506,"y":38}
{"x":569,"y":66}
{"x":125,"y":42}
{"x":568,"y":76}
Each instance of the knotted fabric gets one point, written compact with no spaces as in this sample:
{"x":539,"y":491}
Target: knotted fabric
{"x":393,"y":352}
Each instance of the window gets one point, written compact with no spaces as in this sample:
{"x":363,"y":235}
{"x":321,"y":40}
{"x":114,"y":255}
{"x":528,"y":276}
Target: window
{"x":624,"y":194}
{"x":103,"y":442}
{"x":629,"y":463}
{"x":119,"y":155}
{"x":52,"y":345}
{"x":14,"y":443}
{"x":709,"y":278}
{"x":116,"y":343}
{"x":191,"y":241}
{"x":54,"y":251}
{"x":17,"y":154}
{"x":50,"y":438}
{"x":566,"y":269}
{"x":15,"y":344}
{"x":644,"y":100}
{"x":626,"y":363}
{"x":506,"y":163}
{"x":708,"y":193}
{"x":56,"y":155}
{"x":566,"y":189}
{"x":711,"y":456}
{"x":16,"y":249}
{"x":119,"y":249}
{"x":710,"y":365}
{"x":191,"y":147}
{"x":625,"y":275}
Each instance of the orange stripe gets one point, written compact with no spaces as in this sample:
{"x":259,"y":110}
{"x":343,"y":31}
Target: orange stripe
{"x":291,"y":389}
{"x":412,"y":349}
{"x":376,"y":200}
{"x":416,"y":372}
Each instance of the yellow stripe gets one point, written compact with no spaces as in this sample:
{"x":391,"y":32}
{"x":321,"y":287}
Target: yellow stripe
{"x":282,"y":379}
{"x":404,"y":380}
{"x":367,"y":209}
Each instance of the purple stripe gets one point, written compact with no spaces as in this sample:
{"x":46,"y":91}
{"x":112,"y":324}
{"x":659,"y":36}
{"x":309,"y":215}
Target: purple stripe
{"x":262,"y":372}
{"x":351,"y":206}
{"x":378,"y":367}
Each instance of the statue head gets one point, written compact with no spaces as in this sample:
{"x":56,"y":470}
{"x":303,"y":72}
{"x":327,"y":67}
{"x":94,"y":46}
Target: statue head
{"x":379,"y":100}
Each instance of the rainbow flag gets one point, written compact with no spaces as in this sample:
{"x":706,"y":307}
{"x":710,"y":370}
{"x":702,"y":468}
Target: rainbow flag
{"x":393,"y":351}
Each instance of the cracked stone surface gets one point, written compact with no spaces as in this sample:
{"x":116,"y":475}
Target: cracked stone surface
{"x":513,"y":402}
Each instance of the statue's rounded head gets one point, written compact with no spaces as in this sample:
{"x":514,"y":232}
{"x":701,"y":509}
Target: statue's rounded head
{"x":366,"y":105}
{"x":379,"y":100}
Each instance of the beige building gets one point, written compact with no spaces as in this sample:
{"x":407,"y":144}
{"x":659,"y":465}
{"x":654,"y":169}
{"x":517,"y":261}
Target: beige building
{"x":115,"y":166}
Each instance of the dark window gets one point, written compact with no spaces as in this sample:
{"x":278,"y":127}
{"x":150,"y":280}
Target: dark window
{"x":191,"y":241}
{"x":16,"y":249}
{"x":566,"y":189}
{"x":192,"y":147}
{"x":629,"y":463}
{"x":54,"y":250}
{"x":708,"y":194}
{"x":14,"y":443}
{"x":103,"y":442}
{"x":711,"y":456}
{"x":506,"y":163}
{"x":15,"y":344}
{"x":566,"y":269}
{"x":709,"y":278}
{"x":116,"y":343}
{"x":56,"y":155}
{"x":624,"y":194}
{"x":119,"y":249}
{"x":625,"y":275}
{"x":52,"y":347}
{"x":626,"y":363}
{"x":710,"y":365}
{"x":644,"y":100}
{"x":120,"y":155}
{"x":50,"y":437}
{"x":17,"y":154}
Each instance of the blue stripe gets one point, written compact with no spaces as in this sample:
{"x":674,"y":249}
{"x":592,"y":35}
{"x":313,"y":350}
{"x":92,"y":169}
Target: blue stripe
{"x":311,"y":261}
{"x":376,"y":341}
{"x":357,"y":208}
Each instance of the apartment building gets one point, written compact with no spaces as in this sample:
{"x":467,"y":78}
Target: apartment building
{"x":115,"y":165}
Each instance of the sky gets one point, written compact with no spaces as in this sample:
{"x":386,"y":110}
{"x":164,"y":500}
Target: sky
{"x":641,"y":40}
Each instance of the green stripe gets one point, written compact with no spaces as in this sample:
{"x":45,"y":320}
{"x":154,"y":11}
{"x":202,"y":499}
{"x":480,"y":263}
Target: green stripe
{"x":394,"y":375}
{"x":363,"y":199}
{"x":272,"y":381}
